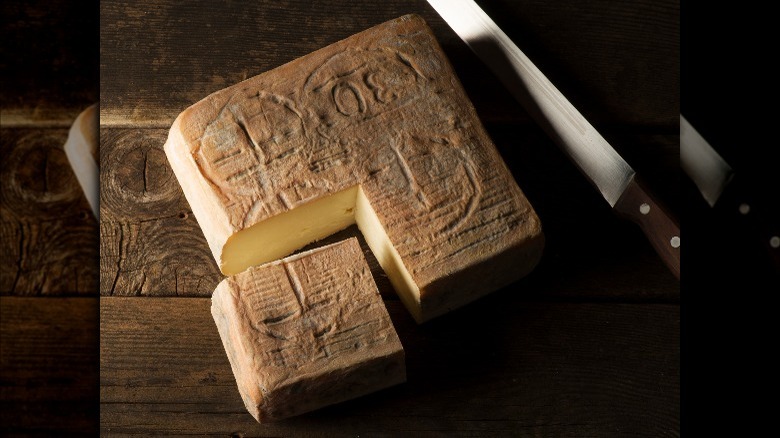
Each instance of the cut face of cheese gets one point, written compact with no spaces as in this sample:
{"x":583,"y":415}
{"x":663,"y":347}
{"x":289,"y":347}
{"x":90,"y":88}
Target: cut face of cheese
{"x":371,"y":227}
{"x":307,"y":331}
{"x":317,"y":220}
{"x":374,"y":130}
{"x":282,"y":234}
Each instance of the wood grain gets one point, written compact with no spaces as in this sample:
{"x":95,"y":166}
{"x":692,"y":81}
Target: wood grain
{"x":150,"y":242}
{"x":531,"y":368}
{"x":48,"y":236}
{"x":152,"y":70}
{"x":48,"y":366}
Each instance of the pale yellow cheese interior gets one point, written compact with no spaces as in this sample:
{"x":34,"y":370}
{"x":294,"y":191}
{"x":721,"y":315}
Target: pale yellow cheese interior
{"x":282,"y":234}
{"x":387,"y":255}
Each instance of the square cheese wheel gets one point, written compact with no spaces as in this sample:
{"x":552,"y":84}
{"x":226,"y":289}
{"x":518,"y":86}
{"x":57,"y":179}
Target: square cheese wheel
{"x":376,"y":130}
{"x":307,"y":331}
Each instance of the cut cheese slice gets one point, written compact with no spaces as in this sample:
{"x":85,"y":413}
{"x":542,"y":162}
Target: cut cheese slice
{"x":81,"y":148}
{"x":374,"y":130}
{"x":307,"y":331}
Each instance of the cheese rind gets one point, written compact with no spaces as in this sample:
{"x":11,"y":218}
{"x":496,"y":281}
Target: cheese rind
{"x":81,"y":148}
{"x":379,"y":115}
{"x":307,"y":331}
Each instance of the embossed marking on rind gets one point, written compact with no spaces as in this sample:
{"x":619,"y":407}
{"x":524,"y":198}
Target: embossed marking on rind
{"x":307,"y":331}
{"x":381,"y":110}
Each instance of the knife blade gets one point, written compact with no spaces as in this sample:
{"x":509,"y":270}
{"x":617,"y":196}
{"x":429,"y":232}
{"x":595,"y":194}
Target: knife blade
{"x":724,"y":192}
{"x":702,"y":163}
{"x":615,"y":179}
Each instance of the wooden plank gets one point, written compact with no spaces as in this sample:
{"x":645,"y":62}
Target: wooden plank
{"x":617,"y":62}
{"x":48,"y":366}
{"x":48,"y":60}
{"x":152,"y":245}
{"x":530,"y":368}
{"x":150,"y":242}
{"x":48,"y":235}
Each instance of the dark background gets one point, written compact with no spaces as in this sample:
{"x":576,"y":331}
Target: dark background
{"x":49,"y":59}
{"x":728,"y":92}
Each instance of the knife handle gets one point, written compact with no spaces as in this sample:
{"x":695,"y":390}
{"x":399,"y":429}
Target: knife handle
{"x":737,"y":204}
{"x":639,"y":205}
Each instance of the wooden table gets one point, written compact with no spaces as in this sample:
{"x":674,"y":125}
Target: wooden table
{"x":587,"y":345}
{"x":49,"y":251}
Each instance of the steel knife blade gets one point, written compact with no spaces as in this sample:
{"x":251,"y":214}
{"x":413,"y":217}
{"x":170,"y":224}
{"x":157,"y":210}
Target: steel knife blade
{"x":702,"y":163}
{"x":615,"y":179}
{"x":724,"y":192}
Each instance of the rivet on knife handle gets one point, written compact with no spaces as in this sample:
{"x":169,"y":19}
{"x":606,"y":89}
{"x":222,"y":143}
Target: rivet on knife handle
{"x":660,"y":228}
{"x":725,"y":191}
{"x":594,"y":156}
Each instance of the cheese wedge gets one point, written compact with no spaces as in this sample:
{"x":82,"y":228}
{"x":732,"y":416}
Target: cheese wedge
{"x":81,"y":148}
{"x":307,"y":331}
{"x":375,"y":130}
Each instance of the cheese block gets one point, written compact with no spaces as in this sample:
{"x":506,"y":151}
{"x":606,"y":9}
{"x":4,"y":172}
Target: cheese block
{"x":81,"y":148}
{"x":375,"y":130}
{"x":307,"y":331}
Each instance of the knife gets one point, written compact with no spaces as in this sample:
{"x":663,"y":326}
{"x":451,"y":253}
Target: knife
{"x":591,"y":153}
{"x":723,"y":190}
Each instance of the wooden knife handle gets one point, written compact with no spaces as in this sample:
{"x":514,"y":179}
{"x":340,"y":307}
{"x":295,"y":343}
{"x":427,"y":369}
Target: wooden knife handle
{"x":737,"y":204}
{"x":663,"y":232}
